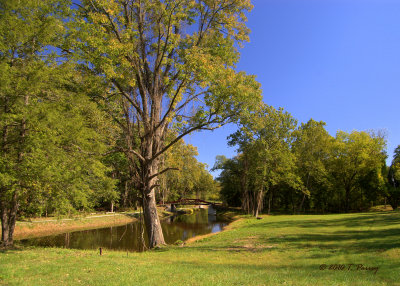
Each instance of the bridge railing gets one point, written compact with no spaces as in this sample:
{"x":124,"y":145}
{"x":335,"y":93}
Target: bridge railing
{"x":191,"y":202}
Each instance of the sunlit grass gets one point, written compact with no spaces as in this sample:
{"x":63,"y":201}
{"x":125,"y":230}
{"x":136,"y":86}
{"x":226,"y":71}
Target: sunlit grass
{"x":277,"y":250}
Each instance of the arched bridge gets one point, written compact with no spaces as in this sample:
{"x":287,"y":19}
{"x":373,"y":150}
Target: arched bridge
{"x":191,"y":202}
{"x":171,"y":206}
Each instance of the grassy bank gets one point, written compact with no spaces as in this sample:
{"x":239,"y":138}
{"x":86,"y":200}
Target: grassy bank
{"x":277,"y":250}
{"x":37,"y":227}
{"x":48,"y":226}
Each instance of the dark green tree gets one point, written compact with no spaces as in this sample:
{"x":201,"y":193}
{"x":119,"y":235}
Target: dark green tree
{"x":52,"y":135}
{"x":394,"y":180}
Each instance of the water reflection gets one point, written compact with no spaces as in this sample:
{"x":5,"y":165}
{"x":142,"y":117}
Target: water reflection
{"x":126,"y":237}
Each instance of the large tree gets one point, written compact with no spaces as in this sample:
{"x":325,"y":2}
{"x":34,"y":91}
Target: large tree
{"x":50,"y":132}
{"x":312,"y":145}
{"x":264,"y":140}
{"x":168,"y":64}
{"x":25,"y":31}
{"x":354,"y":155}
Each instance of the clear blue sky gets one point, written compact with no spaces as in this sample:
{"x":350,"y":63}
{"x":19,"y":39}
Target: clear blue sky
{"x":332,"y":60}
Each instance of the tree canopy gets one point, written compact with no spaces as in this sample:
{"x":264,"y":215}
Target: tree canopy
{"x":302,"y":166}
{"x":168,"y":66}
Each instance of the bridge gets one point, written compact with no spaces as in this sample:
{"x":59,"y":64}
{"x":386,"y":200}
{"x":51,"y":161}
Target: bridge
{"x":183,"y":201}
{"x":191,"y":202}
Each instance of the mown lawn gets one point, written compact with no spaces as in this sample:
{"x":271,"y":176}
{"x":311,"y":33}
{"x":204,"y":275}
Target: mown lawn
{"x":277,"y":250}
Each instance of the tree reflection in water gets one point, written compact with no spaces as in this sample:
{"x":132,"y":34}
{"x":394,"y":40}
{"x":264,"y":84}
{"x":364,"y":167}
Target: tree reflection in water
{"x":126,"y":237}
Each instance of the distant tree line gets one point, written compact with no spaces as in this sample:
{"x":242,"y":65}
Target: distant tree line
{"x":283,"y":167}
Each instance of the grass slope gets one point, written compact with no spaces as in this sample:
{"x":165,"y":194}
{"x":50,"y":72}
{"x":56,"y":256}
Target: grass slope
{"x":277,"y":250}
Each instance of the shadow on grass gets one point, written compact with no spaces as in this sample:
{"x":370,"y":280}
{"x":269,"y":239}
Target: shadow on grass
{"x":302,"y":272}
{"x":16,"y":247}
{"x":360,"y":220}
{"x":353,"y":234}
{"x":345,"y":241}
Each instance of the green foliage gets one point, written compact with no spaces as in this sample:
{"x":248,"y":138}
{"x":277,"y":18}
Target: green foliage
{"x":393,"y":180}
{"x":355,"y":155}
{"x":303,"y":167}
{"x":229,"y":179}
{"x":189,"y":179}
{"x":52,"y":134}
{"x":311,"y":146}
{"x":168,"y":67}
{"x":264,"y":139}
{"x":115,"y":44}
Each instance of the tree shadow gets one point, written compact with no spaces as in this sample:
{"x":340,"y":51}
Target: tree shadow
{"x":343,"y":241}
{"x":361,"y":220}
{"x":354,"y":234}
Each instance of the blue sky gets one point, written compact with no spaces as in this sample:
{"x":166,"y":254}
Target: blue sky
{"x":332,"y":60}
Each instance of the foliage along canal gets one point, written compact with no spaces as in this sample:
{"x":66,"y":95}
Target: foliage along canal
{"x":127,"y":237}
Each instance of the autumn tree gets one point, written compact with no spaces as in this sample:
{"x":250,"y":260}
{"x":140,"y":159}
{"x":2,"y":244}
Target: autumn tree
{"x":169,"y":65}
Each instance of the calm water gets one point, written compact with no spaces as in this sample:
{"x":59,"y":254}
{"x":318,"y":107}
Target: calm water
{"x":125,"y":237}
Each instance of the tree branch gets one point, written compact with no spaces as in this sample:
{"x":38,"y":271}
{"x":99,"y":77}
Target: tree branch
{"x":163,"y":171}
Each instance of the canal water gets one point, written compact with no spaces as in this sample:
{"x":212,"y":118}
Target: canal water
{"x":126,"y":237}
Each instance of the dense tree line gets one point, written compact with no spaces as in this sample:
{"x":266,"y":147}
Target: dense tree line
{"x":284,"y":167}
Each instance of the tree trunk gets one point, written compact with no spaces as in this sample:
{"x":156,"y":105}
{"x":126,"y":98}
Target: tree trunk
{"x":258,"y":203}
{"x":269,"y":202}
{"x":301,"y":204}
{"x":125,"y":196}
{"x":347,"y":199}
{"x":293,"y":205}
{"x":8,"y":219}
{"x":12,"y":218}
{"x":152,"y":221}
{"x":304,"y":195}
{"x":4,"y":224}
{"x":243,"y":181}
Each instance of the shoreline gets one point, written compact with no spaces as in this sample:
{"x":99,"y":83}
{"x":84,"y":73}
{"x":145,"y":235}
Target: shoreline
{"x":26,"y":230}
{"x":229,"y":226}
{"x":197,"y":238}
{"x":40,"y":227}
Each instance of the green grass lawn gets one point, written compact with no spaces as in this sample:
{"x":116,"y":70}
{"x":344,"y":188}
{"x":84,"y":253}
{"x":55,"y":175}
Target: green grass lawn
{"x":277,"y":250}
